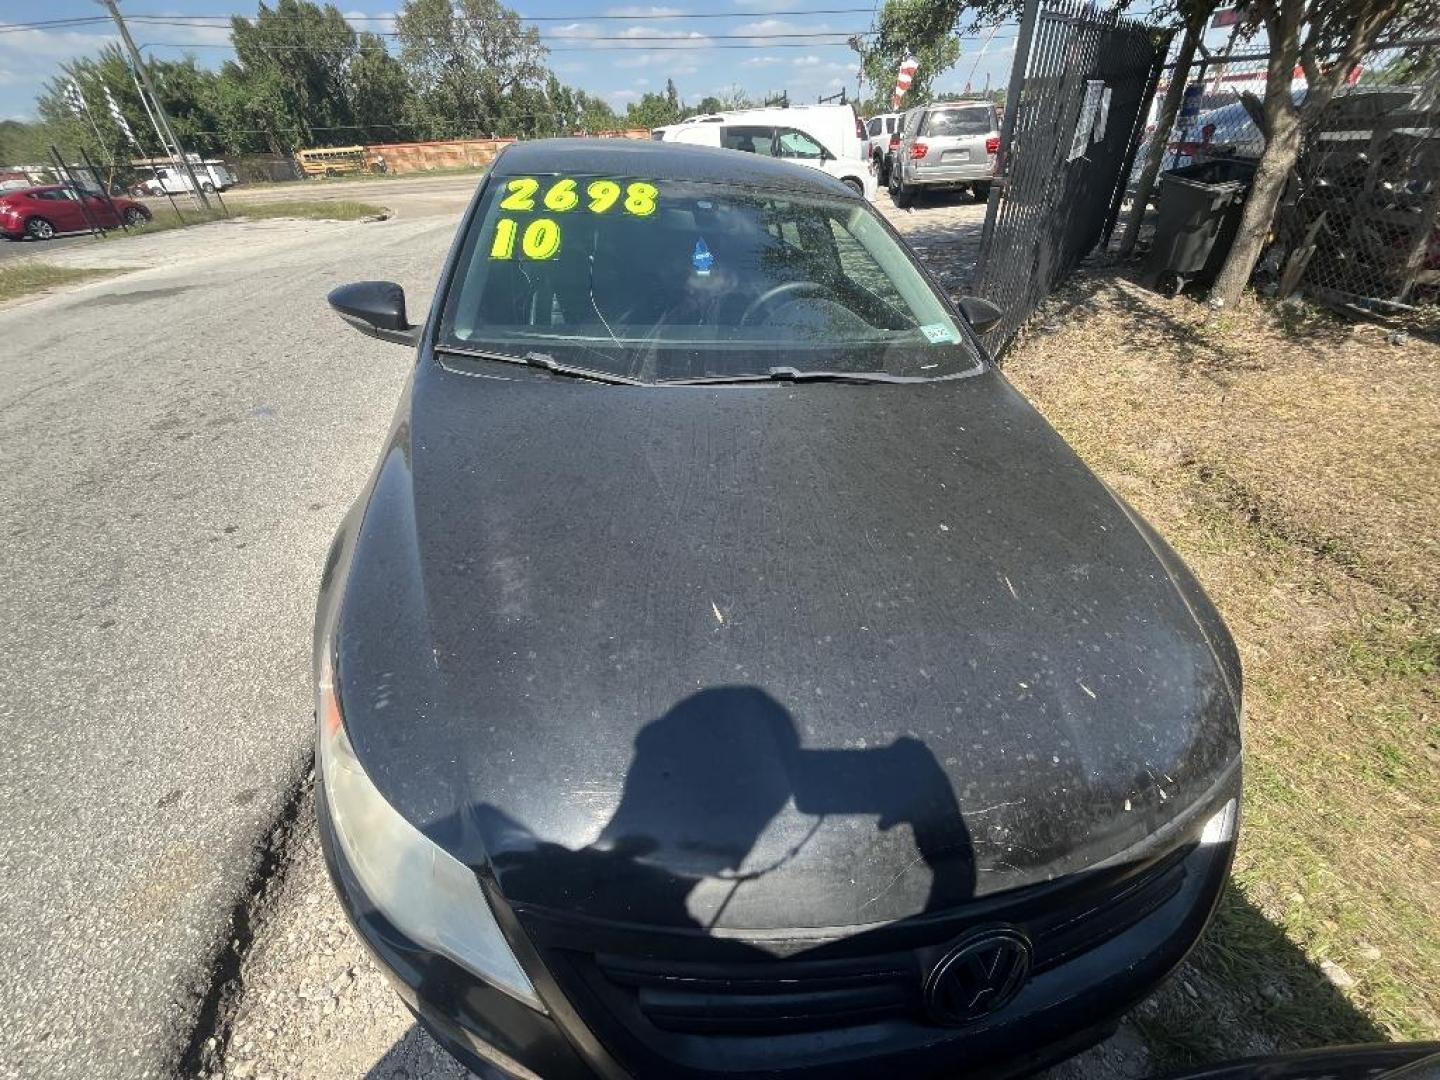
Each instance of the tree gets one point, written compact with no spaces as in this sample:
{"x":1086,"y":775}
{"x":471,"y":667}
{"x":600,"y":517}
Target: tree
{"x":1325,"y":39}
{"x":464,"y":58}
{"x":652,"y":111}
{"x":924,"y":29}
{"x":290,"y":79}
{"x":379,"y":91}
{"x":596,"y":115}
{"x":23,"y":143}
{"x":186,"y":90}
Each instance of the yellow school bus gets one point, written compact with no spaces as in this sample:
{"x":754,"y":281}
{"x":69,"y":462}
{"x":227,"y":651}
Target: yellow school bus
{"x":339,"y":161}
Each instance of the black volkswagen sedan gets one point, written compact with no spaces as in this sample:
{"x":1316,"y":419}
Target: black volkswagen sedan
{"x":727,"y":672}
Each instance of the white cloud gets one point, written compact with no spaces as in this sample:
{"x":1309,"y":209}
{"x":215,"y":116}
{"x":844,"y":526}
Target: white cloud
{"x":806,"y":61}
{"x":761,"y":61}
{"x":767,"y":5}
{"x":642,"y":82}
{"x":647,"y":32}
{"x":631,"y":11}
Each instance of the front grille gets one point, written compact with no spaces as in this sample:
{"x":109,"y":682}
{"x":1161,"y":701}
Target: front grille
{"x":680,"y":985}
{"x":765,"y":999}
{"x":754,"y":998}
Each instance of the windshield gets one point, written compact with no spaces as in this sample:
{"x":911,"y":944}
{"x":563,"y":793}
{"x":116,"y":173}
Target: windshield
{"x":666,"y":281}
{"x":971,"y":121}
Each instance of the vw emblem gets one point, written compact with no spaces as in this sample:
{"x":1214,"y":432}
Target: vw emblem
{"x":981,"y":973}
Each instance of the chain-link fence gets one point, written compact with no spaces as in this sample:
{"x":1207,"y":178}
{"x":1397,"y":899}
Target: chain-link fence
{"x":1359,"y":224}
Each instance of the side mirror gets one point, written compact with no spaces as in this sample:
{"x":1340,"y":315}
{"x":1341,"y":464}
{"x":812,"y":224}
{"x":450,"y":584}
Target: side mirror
{"x":376,"y":308}
{"x":982,"y":315}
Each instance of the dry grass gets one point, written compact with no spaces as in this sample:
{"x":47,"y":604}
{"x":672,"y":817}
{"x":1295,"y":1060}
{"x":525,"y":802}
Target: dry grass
{"x":22,"y":278}
{"x":1292,"y":459}
{"x":310,"y":210}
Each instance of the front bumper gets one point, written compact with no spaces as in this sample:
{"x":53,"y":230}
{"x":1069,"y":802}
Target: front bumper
{"x":1060,"y":1011}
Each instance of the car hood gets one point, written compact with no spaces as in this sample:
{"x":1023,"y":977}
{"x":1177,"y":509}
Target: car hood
{"x":768,"y":656}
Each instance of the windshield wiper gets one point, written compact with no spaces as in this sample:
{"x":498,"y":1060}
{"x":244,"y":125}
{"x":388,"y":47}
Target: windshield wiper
{"x":791,"y":374}
{"x":544,"y":361}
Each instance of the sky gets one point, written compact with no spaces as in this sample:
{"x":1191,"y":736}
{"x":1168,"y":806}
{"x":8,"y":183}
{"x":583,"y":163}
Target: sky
{"x":646,"y":44}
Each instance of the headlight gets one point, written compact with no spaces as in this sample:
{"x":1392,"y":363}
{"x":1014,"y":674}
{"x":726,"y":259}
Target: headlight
{"x":430,"y":896}
{"x":1220,"y":829}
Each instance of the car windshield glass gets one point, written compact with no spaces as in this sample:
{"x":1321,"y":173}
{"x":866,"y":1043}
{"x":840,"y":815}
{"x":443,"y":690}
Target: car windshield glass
{"x":666,"y":281}
{"x":971,"y":121}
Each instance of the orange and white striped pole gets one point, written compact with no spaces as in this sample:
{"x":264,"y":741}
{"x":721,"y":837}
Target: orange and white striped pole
{"x":903,"y":80}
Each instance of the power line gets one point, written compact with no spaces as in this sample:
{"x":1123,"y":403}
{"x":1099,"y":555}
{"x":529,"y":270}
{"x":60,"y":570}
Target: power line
{"x":759,"y":36}
{"x":796,"y":13}
{"x":51,"y":24}
{"x":698,"y":46}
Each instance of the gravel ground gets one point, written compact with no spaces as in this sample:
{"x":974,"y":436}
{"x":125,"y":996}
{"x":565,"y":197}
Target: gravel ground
{"x":312,"y":1002}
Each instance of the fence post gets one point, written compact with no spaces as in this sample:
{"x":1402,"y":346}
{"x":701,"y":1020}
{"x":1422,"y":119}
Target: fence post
{"x":63,"y":171}
{"x":104,"y":191}
{"x":1137,"y":133}
{"x":1028,"y":21}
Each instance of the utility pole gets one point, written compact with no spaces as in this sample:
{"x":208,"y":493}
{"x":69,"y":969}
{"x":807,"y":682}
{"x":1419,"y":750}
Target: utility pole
{"x":163,"y":121}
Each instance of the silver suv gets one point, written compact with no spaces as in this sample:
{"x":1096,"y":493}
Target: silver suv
{"x":946,"y":145}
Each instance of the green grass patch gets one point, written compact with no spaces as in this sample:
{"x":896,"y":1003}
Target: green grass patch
{"x":1396,"y":645}
{"x":21,"y":279}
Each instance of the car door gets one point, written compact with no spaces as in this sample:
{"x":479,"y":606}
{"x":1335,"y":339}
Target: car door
{"x":795,"y":145}
{"x":60,"y":207}
{"x":99,"y":207}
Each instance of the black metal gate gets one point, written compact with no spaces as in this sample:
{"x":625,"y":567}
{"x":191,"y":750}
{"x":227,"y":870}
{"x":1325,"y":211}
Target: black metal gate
{"x":1081,"y":82}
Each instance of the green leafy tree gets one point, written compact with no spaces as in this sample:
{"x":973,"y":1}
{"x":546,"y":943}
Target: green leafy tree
{"x":186,"y":90}
{"x":379,"y":91}
{"x":924,"y":29}
{"x":25,"y":143}
{"x":652,"y":111}
{"x":464,"y":59}
{"x":1325,"y":39}
{"x":290,"y":82}
{"x":597,"y":115}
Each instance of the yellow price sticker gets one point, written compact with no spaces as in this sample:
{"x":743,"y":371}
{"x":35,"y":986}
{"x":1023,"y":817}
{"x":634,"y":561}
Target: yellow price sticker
{"x":540,"y":239}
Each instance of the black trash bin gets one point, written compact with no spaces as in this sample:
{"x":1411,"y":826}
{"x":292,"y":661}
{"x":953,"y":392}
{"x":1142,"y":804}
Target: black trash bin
{"x":1200,"y":208}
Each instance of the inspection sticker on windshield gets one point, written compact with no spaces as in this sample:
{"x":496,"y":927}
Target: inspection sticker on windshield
{"x":937,"y":333}
{"x":702,"y":259}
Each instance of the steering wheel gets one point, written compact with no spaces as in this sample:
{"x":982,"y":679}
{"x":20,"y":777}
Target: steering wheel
{"x":788,"y":290}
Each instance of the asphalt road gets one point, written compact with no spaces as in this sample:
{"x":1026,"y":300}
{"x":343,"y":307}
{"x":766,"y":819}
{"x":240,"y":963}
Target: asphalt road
{"x":16,"y":249}
{"x":177,"y":446}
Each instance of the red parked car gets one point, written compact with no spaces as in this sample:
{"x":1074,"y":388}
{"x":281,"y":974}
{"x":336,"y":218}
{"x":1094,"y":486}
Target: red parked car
{"x":40,"y":213}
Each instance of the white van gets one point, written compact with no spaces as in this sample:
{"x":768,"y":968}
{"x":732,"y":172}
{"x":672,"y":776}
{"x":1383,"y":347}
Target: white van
{"x":772,"y":137}
{"x":838,"y":128}
{"x":212,"y":176}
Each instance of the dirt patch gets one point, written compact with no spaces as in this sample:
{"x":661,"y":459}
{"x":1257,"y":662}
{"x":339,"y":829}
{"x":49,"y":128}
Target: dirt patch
{"x":1291,"y":459}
